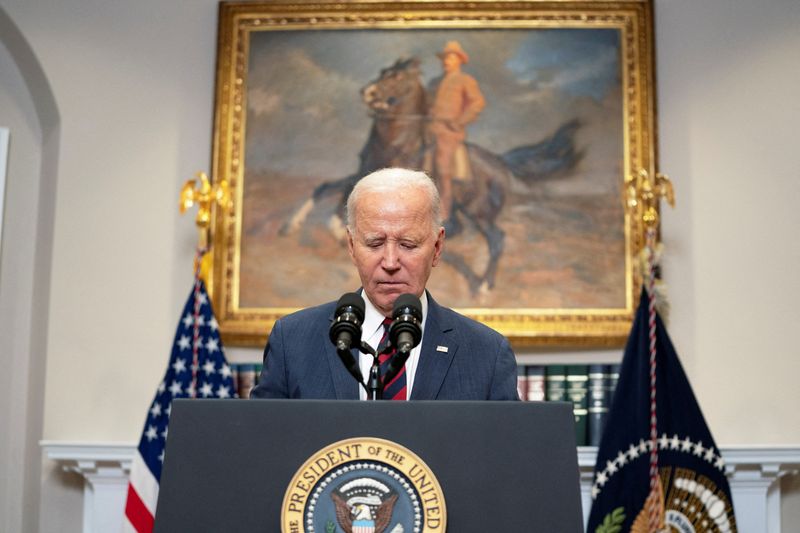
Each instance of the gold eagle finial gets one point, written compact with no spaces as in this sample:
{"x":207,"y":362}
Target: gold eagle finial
{"x":643,"y":192}
{"x":201,"y":192}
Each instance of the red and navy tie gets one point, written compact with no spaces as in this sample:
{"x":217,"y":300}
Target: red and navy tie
{"x":395,"y":389}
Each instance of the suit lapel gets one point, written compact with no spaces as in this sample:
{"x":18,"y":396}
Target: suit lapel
{"x":433,"y":362}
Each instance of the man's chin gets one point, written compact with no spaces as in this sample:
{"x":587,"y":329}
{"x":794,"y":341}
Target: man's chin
{"x":386,"y":293}
{"x":391,"y":288}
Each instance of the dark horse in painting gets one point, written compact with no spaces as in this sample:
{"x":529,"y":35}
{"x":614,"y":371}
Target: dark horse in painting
{"x":397,"y":104}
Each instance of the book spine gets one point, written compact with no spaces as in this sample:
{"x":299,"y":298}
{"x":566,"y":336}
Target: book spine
{"x":259,"y":367}
{"x":247,"y":378}
{"x":235,"y":378}
{"x":556,"y":383}
{"x":611,"y":379}
{"x":536,"y":383}
{"x":598,"y":406}
{"x":522,"y":383}
{"x":578,"y":393}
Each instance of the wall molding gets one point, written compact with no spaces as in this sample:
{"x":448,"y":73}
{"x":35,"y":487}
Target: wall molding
{"x":754,"y":473}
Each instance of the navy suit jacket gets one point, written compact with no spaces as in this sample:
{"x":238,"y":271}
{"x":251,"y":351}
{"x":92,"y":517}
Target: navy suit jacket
{"x":301,"y":362}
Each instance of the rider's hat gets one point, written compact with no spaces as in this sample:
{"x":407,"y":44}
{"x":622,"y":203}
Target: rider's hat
{"x":454,"y":47}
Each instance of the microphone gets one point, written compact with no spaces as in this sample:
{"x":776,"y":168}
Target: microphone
{"x":404,"y":333}
{"x":406,"y":329}
{"x":346,"y":328}
{"x":346,"y":331}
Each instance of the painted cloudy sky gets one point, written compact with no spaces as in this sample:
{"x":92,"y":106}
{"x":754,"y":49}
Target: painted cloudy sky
{"x":305,"y":117}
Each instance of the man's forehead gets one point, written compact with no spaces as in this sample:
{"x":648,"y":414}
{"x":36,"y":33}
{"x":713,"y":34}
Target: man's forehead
{"x":410,"y":225}
{"x":390,"y":206}
{"x":412,"y":234}
{"x":393,"y":196}
{"x":396,"y":229}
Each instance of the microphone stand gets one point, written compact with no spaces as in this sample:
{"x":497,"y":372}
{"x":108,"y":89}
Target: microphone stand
{"x":374,"y":386}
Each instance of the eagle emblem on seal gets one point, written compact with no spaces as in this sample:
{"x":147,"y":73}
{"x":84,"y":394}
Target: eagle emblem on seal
{"x":364,"y":505}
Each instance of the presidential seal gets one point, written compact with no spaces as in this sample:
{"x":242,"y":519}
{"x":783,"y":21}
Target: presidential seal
{"x":364,"y":485}
{"x":686,"y":499}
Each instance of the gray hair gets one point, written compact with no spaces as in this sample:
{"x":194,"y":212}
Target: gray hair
{"x":389,"y":180}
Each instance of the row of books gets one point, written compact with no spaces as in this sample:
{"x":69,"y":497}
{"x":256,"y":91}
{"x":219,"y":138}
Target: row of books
{"x":245,"y":377}
{"x":590,"y":388}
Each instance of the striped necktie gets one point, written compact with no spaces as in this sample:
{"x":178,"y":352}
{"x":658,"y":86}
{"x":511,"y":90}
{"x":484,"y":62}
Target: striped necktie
{"x":395,"y":389}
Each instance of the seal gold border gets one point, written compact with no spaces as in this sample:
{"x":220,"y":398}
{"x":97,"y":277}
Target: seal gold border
{"x":358,"y":449}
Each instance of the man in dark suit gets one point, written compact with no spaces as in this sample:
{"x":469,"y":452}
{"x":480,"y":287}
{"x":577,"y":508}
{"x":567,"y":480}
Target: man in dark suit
{"x":395,"y":238}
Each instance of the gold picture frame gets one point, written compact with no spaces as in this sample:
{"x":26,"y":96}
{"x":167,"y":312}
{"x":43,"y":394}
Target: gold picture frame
{"x":572,"y":81}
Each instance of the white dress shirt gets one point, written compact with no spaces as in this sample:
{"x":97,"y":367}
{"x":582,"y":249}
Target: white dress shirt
{"x":371,"y":333}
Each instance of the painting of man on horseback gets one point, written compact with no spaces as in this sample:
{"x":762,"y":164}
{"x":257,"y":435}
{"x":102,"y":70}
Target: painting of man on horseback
{"x":510,"y":191}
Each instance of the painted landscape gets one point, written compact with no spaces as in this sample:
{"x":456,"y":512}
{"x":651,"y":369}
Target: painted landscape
{"x":556,"y":92}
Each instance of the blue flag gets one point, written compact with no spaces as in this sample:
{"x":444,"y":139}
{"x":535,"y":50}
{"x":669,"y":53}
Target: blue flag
{"x":693,"y":494}
{"x":197,"y":369}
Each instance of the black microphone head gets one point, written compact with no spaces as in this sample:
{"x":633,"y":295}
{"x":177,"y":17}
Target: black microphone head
{"x":354,"y":300}
{"x":407,"y":304}
{"x":406,"y":329}
{"x":346,"y":327}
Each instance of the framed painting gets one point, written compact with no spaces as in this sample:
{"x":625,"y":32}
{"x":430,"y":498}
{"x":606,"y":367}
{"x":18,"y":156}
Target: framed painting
{"x":312,"y":96}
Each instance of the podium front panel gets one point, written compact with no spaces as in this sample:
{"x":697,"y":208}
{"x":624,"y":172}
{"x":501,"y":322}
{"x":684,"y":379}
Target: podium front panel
{"x":502,"y":466}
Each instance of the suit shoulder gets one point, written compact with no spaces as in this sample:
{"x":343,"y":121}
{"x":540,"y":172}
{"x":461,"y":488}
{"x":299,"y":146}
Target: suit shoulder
{"x":472,"y":326}
{"x":309,"y":315}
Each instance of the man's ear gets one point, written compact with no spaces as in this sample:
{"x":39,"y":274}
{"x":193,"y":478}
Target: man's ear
{"x":438,"y":246}
{"x":350,"y":243}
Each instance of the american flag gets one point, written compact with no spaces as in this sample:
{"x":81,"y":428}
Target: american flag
{"x":197,"y":368}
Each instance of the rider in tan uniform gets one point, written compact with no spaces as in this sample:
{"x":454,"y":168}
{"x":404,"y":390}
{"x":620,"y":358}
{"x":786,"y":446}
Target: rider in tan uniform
{"x":457,"y":101}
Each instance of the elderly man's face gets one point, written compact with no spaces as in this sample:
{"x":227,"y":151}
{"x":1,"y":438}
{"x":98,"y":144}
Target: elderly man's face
{"x":393,"y":245}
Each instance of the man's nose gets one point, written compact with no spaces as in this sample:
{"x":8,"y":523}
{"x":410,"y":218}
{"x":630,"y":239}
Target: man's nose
{"x":391,"y":259}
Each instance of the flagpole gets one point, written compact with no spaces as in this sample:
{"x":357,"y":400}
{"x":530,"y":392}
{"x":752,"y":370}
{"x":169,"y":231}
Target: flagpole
{"x":656,"y":511}
{"x":642,"y":196}
{"x":682,"y":480}
{"x":200,"y":191}
{"x":196,"y":317}
{"x":197,"y":329}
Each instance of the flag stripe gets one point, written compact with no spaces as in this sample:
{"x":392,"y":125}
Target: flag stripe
{"x":137,"y":513}
{"x":144,"y":483}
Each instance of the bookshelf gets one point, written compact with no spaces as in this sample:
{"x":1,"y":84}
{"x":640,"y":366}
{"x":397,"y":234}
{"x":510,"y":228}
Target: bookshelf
{"x":589,"y":386}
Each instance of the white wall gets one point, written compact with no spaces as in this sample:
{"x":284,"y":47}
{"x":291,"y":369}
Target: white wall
{"x":25,"y":259}
{"x":16,"y":283}
{"x":135,"y":88}
{"x":133,"y":82}
{"x":727,"y":86}
{"x":3,"y":166}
